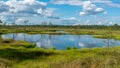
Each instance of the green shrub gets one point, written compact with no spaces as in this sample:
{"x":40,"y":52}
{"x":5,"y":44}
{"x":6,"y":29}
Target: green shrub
{"x":68,"y":48}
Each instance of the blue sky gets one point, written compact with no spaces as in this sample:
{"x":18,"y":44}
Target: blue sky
{"x":61,"y":12}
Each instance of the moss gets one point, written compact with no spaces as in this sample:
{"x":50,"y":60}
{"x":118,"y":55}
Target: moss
{"x":74,"y":58}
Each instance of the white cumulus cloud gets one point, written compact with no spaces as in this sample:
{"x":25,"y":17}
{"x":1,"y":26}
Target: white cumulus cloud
{"x":91,"y":9}
{"x":70,"y":2}
{"x":24,"y":7}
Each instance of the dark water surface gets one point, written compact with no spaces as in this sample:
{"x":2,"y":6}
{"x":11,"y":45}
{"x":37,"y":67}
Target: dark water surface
{"x":62,"y":41}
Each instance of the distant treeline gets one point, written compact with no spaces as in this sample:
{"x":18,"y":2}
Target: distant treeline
{"x":114,"y":27}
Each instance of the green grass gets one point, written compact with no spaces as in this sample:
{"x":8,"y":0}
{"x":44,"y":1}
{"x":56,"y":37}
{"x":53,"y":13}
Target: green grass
{"x":22,"y":57}
{"x":117,"y":37}
{"x":20,"y":54}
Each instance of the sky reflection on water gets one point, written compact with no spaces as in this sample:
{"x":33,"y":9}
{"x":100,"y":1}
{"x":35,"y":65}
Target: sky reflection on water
{"x":62,"y":41}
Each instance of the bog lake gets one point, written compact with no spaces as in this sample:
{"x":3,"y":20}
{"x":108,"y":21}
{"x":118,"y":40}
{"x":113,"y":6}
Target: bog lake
{"x":62,"y":41}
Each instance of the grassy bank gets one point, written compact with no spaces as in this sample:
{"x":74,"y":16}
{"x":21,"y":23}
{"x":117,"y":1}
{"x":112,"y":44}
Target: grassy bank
{"x":22,"y":56}
{"x":75,"y":58}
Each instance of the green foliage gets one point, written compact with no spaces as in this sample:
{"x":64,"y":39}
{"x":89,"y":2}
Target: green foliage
{"x":53,"y":48}
{"x":74,"y":48}
{"x":68,"y":48}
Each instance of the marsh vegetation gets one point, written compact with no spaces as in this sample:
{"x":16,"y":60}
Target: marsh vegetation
{"x":24,"y":57}
{"x":21,"y":54}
